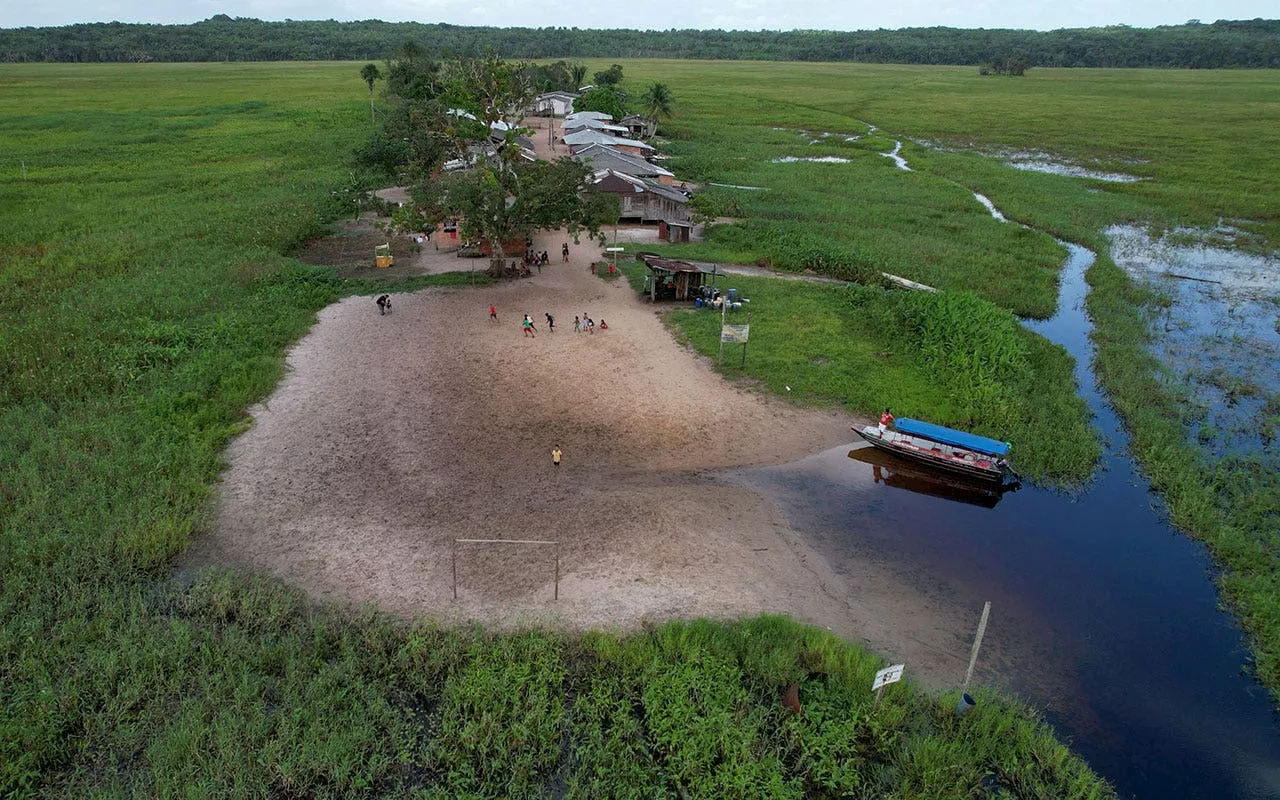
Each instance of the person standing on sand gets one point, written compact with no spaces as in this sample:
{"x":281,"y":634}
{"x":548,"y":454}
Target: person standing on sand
{"x":577,"y":325}
{"x":564,"y":252}
{"x":528,"y":328}
{"x":551,"y":323}
{"x":555,"y":456}
{"x":493,"y":313}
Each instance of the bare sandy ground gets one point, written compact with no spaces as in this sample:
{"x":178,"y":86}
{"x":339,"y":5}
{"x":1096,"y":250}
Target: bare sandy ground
{"x":392,"y":436}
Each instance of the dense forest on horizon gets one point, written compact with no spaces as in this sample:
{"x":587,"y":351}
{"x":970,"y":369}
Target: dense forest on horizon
{"x":1222,"y":44}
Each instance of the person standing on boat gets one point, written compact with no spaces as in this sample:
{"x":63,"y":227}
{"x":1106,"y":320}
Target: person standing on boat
{"x":886,"y":419}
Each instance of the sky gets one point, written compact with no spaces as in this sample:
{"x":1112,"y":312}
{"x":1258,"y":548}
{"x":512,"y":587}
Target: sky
{"x":658,"y":14}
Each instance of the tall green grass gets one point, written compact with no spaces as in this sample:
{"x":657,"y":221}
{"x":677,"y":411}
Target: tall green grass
{"x":148,"y":298}
{"x":1203,"y":142}
{"x":952,"y":358}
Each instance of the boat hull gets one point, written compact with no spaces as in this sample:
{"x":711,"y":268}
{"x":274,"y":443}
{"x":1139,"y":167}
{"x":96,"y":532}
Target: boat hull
{"x":951,"y":459}
{"x":897,"y":472}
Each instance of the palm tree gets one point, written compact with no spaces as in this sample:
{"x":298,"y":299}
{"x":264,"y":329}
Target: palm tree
{"x":579,"y":75}
{"x":658,"y":103}
{"x":370,"y":73}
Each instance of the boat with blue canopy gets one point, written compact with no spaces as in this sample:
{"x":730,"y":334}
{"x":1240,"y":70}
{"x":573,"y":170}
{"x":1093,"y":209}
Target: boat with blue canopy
{"x":958,"y":452}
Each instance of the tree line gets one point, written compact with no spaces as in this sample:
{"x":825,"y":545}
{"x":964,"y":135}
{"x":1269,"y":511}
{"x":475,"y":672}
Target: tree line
{"x":1222,"y":44}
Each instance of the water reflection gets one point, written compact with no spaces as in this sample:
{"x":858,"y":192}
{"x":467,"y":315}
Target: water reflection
{"x":1220,"y":319}
{"x":1104,"y":616}
{"x":899,"y":473}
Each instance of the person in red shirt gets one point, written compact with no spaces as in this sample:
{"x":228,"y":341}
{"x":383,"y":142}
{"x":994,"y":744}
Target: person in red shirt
{"x":886,"y":419}
{"x":493,"y":313}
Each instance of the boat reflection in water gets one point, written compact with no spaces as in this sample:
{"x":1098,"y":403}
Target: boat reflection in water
{"x":902,"y":473}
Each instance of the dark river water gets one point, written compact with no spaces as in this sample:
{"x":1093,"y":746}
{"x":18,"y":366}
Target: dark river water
{"x":1103,"y":616}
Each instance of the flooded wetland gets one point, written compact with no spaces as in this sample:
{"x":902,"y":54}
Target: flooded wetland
{"x":1108,"y":302}
{"x":1106,"y":615}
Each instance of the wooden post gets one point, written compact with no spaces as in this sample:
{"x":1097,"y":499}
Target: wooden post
{"x":557,"y":595}
{"x":723,"y":305}
{"x":977,"y":644}
{"x":876,"y":706}
{"x":744,"y":344}
{"x":455,"y":570}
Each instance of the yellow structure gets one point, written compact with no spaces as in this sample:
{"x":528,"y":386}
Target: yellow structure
{"x":382,"y":255}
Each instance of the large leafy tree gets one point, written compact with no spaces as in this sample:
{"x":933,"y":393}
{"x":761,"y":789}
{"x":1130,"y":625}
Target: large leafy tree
{"x":408,"y":142}
{"x":658,"y":104}
{"x":493,"y":189}
{"x":609,"y":77}
{"x":605,"y":99}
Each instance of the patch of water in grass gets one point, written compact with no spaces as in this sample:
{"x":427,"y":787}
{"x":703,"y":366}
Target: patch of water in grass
{"x":895,"y":154}
{"x":1217,"y":312}
{"x":990,"y":206}
{"x":1036,"y":161}
{"x":812,"y":159}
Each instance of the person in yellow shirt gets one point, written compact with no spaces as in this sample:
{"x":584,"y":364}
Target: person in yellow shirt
{"x":555,"y":455}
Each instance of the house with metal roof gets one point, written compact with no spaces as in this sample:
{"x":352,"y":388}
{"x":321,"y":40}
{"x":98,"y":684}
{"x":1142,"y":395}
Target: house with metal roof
{"x":554,"y":104}
{"x":581,"y":115}
{"x":636,"y":125}
{"x":648,"y":201}
{"x":581,"y":139}
{"x":673,"y":279}
{"x":595,"y":125}
{"x":601,"y":157}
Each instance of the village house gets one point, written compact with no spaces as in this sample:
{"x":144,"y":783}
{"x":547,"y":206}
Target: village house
{"x":594,"y":125}
{"x":673,"y":279}
{"x":648,"y":201}
{"x":554,"y":104}
{"x":578,"y":116}
{"x":601,"y":157}
{"x":636,"y":125}
{"x":581,"y":139}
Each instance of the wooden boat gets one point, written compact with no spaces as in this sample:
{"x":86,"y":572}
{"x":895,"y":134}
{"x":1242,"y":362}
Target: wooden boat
{"x":960,"y":453}
{"x":902,"y":473}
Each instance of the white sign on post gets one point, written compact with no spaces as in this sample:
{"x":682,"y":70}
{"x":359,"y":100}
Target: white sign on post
{"x":735,"y":334}
{"x":887,"y":676}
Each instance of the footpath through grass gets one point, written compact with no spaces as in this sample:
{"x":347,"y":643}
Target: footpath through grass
{"x":147,"y":301}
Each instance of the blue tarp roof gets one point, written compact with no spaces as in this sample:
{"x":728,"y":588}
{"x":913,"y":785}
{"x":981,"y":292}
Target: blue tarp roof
{"x":937,"y":433}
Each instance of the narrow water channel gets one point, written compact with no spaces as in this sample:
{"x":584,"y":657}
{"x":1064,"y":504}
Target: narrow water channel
{"x":1104,"y":616}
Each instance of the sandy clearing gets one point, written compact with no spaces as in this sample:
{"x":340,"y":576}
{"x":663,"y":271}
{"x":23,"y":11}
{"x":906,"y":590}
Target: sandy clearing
{"x":392,"y":436}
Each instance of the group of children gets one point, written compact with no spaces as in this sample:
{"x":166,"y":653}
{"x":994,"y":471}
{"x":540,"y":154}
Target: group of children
{"x":530,"y":330}
{"x":585,"y":323}
{"x":533,"y":258}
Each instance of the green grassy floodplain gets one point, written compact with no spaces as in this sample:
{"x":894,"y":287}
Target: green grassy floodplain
{"x":148,"y":298}
{"x":1204,"y":142}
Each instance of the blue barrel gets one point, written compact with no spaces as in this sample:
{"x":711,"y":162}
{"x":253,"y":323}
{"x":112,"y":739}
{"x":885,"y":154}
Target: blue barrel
{"x":697,"y":303}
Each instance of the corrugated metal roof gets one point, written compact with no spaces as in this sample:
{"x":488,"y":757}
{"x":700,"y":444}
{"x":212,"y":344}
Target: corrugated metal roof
{"x":593,"y":124}
{"x":602,"y":156}
{"x":599,"y":137}
{"x":670,"y":264}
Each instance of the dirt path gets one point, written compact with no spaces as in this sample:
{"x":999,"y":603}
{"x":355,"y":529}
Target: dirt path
{"x":392,"y":436}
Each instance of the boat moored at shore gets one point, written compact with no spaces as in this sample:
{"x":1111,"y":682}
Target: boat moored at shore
{"x":958,"y":452}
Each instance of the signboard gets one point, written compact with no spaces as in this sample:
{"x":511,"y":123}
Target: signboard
{"x":614,"y":249}
{"x":734,"y":334}
{"x":887,"y":676}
